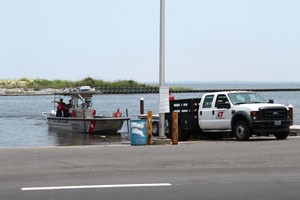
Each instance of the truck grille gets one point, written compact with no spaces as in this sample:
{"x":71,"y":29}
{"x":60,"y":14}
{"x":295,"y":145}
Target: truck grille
{"x":273,"y":113}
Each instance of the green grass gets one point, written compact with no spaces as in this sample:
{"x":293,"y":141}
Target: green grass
{"x":38,"y":84}
{"x":59,"y":84}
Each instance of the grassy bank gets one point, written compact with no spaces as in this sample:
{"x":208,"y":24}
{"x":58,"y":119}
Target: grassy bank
{"x":27,"y":86}
{"x":39,"y":84}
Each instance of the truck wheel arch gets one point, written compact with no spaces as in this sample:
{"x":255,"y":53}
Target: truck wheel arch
{"x":240,"y":115}
{"x":241,"y":121}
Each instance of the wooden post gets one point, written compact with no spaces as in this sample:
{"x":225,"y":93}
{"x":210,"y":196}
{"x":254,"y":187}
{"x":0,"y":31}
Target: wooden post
{"x":174,"y":128}
{"x":128,"y":129}
{"x":142,"y":106}
{"x":149,"y":128}
{"x":291,"y":113}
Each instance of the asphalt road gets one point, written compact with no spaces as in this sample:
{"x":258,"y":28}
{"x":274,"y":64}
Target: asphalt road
{"x":227,"y":169}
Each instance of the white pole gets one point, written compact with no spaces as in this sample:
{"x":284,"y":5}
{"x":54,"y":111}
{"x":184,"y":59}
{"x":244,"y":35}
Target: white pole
{"x":162,"y":64}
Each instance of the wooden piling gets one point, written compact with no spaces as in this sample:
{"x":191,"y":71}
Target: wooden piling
{"x":149,"y":127}
{"x":291,"y":113}
{"x":142,"y":106}
{"x":174,"y":128}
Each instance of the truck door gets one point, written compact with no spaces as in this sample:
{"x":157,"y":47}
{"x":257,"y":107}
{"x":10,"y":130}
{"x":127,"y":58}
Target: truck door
{"x":215,"y":113}
{"x":222,"y":112}
{"x":205,"y":116}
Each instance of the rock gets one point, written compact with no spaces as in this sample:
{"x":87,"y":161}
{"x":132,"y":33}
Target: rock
{"x":29,"y":91}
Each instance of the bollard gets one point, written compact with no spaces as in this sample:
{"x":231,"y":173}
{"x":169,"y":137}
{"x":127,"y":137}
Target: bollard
{"x":127,"y":121}
{"x":291,"y":113}
{"x":142,"y":106}
{"x":174,"y":128}
{"x":149,"y":129}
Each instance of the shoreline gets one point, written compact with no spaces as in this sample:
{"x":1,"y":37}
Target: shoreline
{"x":27,"y":91}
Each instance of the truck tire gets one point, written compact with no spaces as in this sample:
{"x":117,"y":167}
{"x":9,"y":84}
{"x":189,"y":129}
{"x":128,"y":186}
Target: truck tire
{"x":155,"y":128}
{"x":241,"y":130}
{"x":183,"y":135}
{"x":282,"y":135}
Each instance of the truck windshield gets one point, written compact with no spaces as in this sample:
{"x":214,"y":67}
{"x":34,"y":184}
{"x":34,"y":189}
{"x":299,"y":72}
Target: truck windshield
{"x":244,"y":98}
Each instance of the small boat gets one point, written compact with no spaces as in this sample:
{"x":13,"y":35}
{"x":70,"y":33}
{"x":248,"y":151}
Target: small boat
{"x":81,"y":116}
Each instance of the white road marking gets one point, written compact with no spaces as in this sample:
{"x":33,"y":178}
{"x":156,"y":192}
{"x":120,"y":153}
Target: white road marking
{"x":95,"y":186}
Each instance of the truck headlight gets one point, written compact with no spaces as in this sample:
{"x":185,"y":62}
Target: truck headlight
{"x":254,"y":115}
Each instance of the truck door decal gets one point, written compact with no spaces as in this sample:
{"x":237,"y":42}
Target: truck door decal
{"x":220,"y":115}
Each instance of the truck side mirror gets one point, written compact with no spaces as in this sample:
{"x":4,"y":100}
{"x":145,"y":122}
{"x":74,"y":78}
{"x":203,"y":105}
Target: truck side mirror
{"x":271,"y":101}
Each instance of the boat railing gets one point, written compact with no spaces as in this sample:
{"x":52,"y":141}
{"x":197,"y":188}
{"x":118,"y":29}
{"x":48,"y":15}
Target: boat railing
{"x":46,"y":114}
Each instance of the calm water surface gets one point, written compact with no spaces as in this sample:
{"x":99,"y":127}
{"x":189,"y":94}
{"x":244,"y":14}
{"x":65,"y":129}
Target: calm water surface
{"x":22,"y":123}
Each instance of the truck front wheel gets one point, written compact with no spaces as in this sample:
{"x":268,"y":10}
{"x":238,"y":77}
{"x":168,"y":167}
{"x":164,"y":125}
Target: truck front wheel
{"x":241,"y":130}
{"x":281,"y":136}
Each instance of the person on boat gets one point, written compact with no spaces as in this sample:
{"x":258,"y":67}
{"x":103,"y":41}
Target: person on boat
{"x":59,"y":108}
{"x":66,"y":109}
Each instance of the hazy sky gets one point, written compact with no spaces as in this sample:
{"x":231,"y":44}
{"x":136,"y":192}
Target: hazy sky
{"x":215,"y":40}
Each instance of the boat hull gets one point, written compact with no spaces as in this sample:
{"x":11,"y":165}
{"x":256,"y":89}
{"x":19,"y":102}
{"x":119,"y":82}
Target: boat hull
{"x":101,"y":125}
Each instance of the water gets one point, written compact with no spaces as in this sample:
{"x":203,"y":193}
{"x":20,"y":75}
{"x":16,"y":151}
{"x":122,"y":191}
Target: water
{"x":22,"y":123}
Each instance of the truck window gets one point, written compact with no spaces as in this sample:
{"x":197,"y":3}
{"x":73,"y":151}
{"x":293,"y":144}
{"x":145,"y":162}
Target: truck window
{"x":243,"y":98}
{"x":208,"y":101}
{"x":221,"y":100}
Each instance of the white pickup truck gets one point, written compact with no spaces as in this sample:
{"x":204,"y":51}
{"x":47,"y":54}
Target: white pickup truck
{"x":239,"y":114}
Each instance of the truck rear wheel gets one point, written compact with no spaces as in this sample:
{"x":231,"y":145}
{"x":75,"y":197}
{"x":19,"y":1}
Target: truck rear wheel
{"x":155,"y":128}
{"x":183,"y":135}
{"x":241,"y":130}
{"x":282,"y":135}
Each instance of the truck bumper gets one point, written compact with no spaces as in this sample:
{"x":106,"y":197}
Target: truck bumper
{"x":270,"y":126}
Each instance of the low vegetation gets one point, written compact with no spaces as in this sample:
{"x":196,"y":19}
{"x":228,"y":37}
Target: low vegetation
{"x":25,"y":86}
{"x":39,"y":84}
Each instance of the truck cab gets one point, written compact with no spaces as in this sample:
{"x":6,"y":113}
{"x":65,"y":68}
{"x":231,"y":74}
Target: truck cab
{"x":243,"y":113}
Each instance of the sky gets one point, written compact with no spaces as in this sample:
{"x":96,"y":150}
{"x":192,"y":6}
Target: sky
{"x":216,"y":40}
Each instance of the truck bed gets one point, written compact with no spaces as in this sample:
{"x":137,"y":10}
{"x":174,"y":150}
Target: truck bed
{"x":187,"y":116}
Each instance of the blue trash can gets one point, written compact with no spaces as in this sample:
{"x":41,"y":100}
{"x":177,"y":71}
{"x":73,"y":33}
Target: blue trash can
{"x":138,"y":132}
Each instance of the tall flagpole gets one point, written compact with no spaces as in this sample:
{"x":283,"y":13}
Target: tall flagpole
{"x":162,"y":64}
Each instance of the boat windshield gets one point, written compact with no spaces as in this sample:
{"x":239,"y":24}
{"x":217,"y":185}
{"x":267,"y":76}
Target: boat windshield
{"x":83,"y":103}
{"x":88,"y":102}
{"x":245,"y":98}
{"x":79,"y":100}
